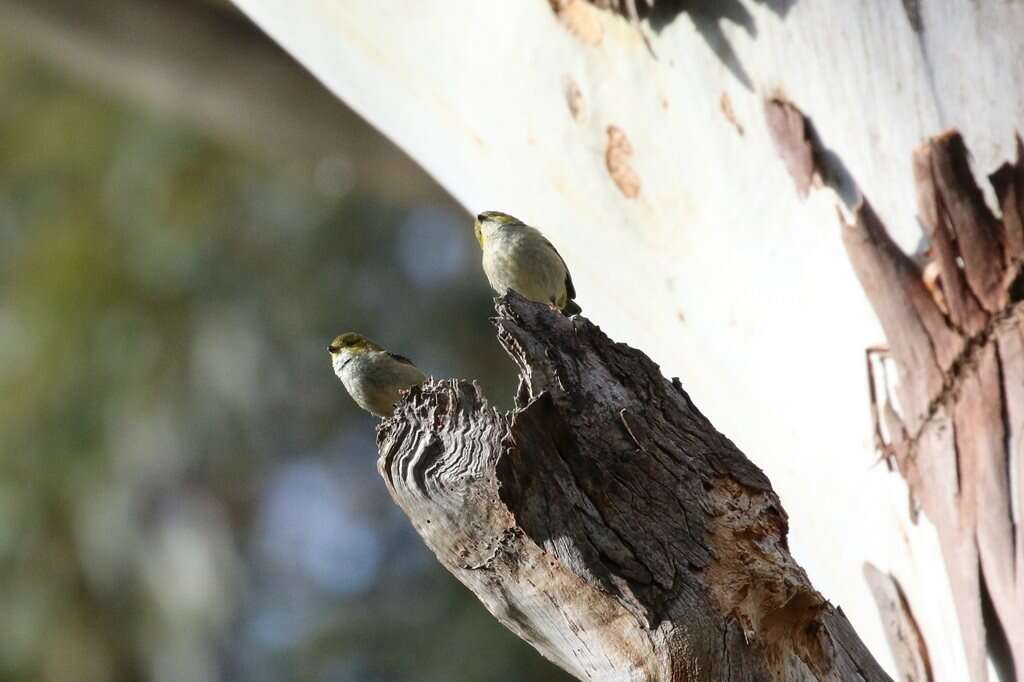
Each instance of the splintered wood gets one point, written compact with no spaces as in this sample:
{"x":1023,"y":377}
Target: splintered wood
{"x":607,"y":522}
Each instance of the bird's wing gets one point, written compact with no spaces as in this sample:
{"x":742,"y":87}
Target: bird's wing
{"x":400,"y":358}
{"x":570,"y":290}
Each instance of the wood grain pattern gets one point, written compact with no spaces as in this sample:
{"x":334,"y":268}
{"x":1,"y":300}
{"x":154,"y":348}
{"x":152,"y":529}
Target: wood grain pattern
{"x":607,"y":522}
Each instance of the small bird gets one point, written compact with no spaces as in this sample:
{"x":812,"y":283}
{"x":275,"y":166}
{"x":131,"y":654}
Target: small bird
{"x":518,"y":257}
{"x":373,"y":376}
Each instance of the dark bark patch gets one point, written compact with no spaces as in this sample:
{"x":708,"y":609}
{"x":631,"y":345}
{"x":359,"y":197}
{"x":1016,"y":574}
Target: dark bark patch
{"x":788,"y":130}
{"x":809,"y":161}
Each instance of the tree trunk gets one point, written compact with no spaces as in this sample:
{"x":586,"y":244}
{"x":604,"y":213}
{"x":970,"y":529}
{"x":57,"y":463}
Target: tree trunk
{"x":607,"y":522}
{"x":649,"y":151}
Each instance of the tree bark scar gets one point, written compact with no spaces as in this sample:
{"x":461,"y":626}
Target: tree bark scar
{"x":798,"y":621}
{"x":606,"y":521}
{"x":725,"y":104}
{"x":574,"y":99}
{"x":788,"y":130}
{"x":618,"y":160}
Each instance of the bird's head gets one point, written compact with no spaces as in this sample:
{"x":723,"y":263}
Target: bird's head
{"x":489,"y":222}
{"x":347,"y":346}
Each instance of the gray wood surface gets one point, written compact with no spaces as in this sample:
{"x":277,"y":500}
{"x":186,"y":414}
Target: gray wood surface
{"x":607,"y":522}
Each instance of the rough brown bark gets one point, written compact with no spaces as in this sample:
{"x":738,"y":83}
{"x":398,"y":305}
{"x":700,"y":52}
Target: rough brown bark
{"x":605,"y":520}
{"x":956,"y":428}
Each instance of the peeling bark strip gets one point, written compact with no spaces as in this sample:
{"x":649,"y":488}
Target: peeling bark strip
{"x":788,"y":129}
{"x":606,"y":521}
{"x":901,"y":629}
{"x":958,"y":432}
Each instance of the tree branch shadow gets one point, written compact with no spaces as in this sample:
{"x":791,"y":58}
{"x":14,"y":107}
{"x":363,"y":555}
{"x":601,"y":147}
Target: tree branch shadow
{"x":707,"y":17}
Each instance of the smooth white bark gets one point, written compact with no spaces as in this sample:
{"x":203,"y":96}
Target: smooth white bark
{"x":716,"y":269}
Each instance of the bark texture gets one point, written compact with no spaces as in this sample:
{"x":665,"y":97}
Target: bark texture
{"x":605,"y":520}
{"x":956,"y":424}
{"x":643,"y":151}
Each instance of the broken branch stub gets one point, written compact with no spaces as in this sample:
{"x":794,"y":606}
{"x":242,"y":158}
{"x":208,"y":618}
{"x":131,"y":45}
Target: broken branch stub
{"x":605,"y":520}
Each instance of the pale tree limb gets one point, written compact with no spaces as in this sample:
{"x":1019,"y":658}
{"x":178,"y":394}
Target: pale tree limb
{"x":643,"y":151}
{"x":640,"y":144}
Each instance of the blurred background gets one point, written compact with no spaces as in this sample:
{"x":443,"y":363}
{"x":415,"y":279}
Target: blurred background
{"x":186,"y":491}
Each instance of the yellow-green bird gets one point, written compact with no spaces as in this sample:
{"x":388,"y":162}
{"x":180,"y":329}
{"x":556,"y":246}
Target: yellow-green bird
{"x":371,"y":375}
{"x":518,"y":257}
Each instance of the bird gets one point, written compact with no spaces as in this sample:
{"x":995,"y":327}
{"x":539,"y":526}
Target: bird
{"x":373,"y":376}
{"x":518,"y":257}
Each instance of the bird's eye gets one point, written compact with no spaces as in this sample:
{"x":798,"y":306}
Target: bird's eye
{"x":332,"y":348}
{"x":481,"y":218}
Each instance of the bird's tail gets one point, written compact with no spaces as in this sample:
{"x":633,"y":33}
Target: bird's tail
{"x":572,"y":308}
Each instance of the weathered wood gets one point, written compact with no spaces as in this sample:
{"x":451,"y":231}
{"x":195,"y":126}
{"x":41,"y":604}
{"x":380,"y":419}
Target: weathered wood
{"x":956,"y":428}
{"x":605,"y":520}
{"x":718,"y":270}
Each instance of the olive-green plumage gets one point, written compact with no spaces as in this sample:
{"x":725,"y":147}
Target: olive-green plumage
{"x":373,"y":376}
{"x":518,"y":257}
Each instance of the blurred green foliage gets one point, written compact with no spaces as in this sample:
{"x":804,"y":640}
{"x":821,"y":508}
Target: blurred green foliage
{"x":186,"y":492}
